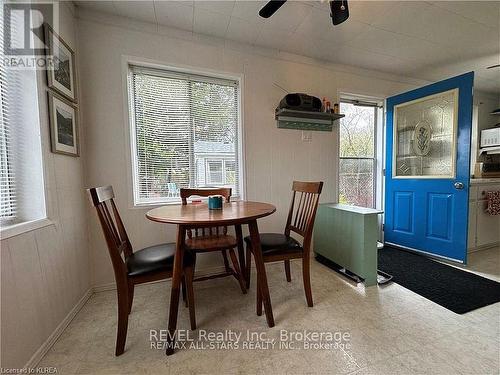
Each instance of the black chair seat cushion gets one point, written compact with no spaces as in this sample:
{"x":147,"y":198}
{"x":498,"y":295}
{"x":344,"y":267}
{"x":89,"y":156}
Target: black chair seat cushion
{"x":276,"y":243}
{"x":154,"y":259}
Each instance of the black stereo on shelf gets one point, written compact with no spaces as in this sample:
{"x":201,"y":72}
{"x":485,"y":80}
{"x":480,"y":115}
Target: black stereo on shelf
{"x":300,"y":102}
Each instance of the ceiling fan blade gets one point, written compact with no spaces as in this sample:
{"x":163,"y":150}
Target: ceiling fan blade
{"x":270,"y":8}
{"x":339,"y":11}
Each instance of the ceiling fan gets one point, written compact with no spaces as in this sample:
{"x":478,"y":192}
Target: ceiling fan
{"x":339,"y":10}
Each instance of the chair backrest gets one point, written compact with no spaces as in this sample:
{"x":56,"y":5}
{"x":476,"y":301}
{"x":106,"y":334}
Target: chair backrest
{"x":305,"y":199}
{"x":205,"y":192}
{"x":112,"y":226}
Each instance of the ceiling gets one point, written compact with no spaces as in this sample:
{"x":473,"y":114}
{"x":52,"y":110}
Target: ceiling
{"x":424,"y":40}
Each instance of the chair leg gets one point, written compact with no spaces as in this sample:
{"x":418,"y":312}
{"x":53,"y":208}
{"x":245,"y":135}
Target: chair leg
{"x":183,"y":289}
{"x":259,"y":298}
{"x":306,"y":275}
{"x":189,"y":277}
{"x":236,"y":268}
{"x":287,"y":271}
{"x":248,"y":265}
{"x":130,"y":296}
{"x":226,"y":262}
{"x":123,"y":311}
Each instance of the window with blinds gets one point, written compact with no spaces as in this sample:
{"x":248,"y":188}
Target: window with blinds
{"x":185,"y":131}
{"x":7,"y":193}
{"x":22,"y":194}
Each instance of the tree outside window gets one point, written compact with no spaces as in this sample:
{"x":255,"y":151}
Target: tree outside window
{"x":357,"y":155}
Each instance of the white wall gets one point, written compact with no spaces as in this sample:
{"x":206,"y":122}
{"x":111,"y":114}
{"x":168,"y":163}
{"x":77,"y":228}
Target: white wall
{"x":273,"y":157}
{"x":45,"y":272}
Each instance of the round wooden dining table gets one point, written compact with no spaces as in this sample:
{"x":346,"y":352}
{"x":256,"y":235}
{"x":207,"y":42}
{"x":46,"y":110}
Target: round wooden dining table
{"x":198,"y":215}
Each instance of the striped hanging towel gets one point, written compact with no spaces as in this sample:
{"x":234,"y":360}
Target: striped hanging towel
{"x":493,"y":202}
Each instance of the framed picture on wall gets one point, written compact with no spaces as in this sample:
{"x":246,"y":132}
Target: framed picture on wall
{"x":63,"y":126}
{"x":61,"y":74}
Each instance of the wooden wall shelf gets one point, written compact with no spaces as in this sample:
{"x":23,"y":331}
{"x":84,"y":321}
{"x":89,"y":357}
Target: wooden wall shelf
{"x":305,"y":120}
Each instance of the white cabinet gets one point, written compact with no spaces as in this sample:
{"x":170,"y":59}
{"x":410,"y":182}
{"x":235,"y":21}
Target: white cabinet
{"x":488,"y":227}
{"x":484,"y":229}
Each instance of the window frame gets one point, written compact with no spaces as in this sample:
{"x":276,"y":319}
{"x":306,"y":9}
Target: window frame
{"x":224,"y":162}
{"x":376,"y":106}
{"x":129,"y":125}
{"x":13,"y":228}
{"x":208,"y":172}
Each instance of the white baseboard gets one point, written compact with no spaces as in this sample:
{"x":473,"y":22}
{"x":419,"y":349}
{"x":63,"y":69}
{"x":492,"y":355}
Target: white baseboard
{"x":483,"y":247}
{"x":104,"y":287}
{"x":47,"y":345}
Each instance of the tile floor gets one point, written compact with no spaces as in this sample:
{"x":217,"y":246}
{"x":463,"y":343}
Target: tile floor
{"x":392,"y":330}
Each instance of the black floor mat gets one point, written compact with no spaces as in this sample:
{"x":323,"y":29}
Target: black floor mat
{"x":457,"y":290}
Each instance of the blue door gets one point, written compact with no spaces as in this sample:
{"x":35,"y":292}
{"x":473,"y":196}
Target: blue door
{"x":427,"y":168}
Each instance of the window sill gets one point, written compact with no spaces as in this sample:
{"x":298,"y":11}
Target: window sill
{"x":150,"y":206}
{"x":21,"y":228}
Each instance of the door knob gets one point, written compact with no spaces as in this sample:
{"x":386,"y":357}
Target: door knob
{"x":458,"y":185}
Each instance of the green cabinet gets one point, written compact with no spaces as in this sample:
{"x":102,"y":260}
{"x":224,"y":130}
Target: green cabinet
{"x":347,"y":235}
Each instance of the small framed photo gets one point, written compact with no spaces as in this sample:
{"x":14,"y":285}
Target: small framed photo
{"x":63,"y":126}
{"x":61,"y":76}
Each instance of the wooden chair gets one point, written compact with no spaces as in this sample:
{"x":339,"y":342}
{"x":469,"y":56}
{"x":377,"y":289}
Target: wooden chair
{"x":208,"y":239}
{"x":132,"y":268}
{"x":283,"y":247}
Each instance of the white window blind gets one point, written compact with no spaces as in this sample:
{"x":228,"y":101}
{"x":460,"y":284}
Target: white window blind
{"x":22,"y":195}
{"x":8,"y":192}
{"x":180,"y":120}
